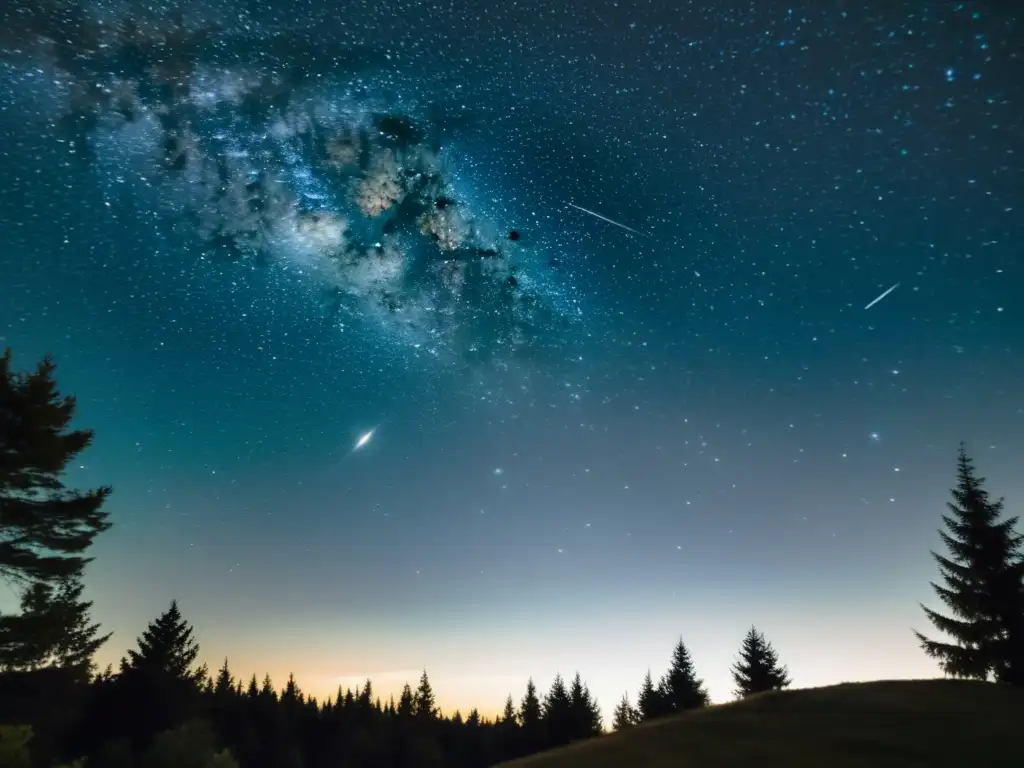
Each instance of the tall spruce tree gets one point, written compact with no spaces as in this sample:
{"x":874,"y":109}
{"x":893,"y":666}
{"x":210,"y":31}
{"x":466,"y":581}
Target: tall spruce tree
{"x":586,"y":715}
{"x":426,"y":707}
{"x":407,"y":703}
{"x":166,"y":650}
{"x":508,"y":715}
{"x":159,"y":685}
{"x":758,"y":669}
{"x":531,"y":717}
{"x":45,"y":527}
{"x":224,"y":687}
{"x":558,"y":715}
{"x":291,"y":695}
{"x":625,"y":715}
{"x":983,"y":586}
{"x":530,"y":711}
{"x":681,"y":689}
{"x":650,"y":700}
{"x":268,"y":692}
{"x":52,"y":630}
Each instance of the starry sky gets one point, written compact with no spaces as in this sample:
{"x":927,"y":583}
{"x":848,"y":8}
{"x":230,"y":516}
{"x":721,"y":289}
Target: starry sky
{"x":252,"y":232}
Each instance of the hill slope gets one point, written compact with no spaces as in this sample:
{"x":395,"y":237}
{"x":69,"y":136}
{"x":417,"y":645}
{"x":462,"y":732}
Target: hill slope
{"x":889,"y":724}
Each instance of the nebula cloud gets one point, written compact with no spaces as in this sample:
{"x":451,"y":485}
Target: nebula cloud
{"x":265,"y":159}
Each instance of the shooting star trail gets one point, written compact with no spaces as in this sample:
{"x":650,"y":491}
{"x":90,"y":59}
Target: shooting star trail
{"x":605,"y":218}
{"x":364,"y":439}
{"x":882,"y":296}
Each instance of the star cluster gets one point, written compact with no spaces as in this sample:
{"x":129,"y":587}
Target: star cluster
{"x":260,"y":147}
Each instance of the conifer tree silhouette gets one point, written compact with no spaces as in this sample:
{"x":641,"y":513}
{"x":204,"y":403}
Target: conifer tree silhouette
{"x":425,"y":704}
{"x":225,"y":683}
{"x":52,"y":629}
{"x":45,"y":527}
{"x":558,"y":715}
{"x":650,"y":700}
{"x":625,"y":715}
{"x":758,"y":669}
{"x":586,"y":715}
{"x":166,"y":649}
{"x":531,"y":719}
{"x":508,"y":715}
{"x":983,"y":586}
{"x":681,"y":689}
{"x":406,"y":703}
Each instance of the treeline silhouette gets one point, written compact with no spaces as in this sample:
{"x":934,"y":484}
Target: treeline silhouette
{"x":162,"y":708}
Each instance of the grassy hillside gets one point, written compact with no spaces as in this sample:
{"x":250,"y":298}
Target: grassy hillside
{"x":925,"y":723}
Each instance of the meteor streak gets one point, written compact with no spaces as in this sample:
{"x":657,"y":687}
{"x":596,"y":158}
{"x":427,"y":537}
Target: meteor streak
{"x":605,"y":218}
{"x":882,"y":296}
{"x":364,"y":439}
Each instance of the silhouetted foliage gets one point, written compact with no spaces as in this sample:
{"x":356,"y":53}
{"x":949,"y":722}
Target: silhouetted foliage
{"x":758,"y":669}
{"x":681,"y":689}
{"x":530,"y":720}
{"x":424,"y":705}
{"x":158,"y":686}
{"x":558,"y":714}
{"x":52,"y":629}
{"x":192,"y":745}
{"x":650,"y":701}
{"x":15,"y":751}
{"x":625,"y":715}
{"x":983,"y":586}
{"x":586,"y":715}
{"x":167,"y":650}
{"x":45,"y":527}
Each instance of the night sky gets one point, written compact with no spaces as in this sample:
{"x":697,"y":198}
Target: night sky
{"x":252,"y":232}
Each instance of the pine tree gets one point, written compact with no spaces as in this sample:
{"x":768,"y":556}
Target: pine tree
{"x":681,"y":689}
{"x":558,"y":716}
{"x":291,"y":696}
{"x":425,"y":703}
{"x":651,"y":700}
{"x":531,"y":737}
{"x":45,"y":527}
{"x":80,"y":638}
{"x":530,"y":712}
{"x":586,"y":715}
{"x":267,"y":691}
{"x":758,"y":669}
{"x":508,"y":715}
{"x":983,"y":586}
{"x":406,"y":704}
{"x":366,"y":697}
{"x":625,"y":716}
{"x":166,"y":650}
{"x":159,"y":687}
{"x":52,"y":630}
{"x":224,"y":687}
